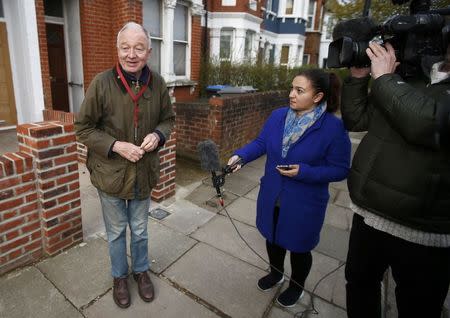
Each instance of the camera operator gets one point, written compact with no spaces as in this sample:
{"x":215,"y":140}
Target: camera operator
{"x":399,"y":185}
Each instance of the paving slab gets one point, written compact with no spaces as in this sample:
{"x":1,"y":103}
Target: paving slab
{"x":165,"y":246}
{"x":243,"y":210}
{"x":277,"y":312}
{"x":253,"y":194}
{"x":39,"y":298}
{"x":324,"y":308}
{"x":340,"y":185}
{"x":343,"y":199}
{"x":321,"y":266}
{"x":81,"y":273}
{"x":225,"y":282}
{"x":169,"y":302}
{"x":186,"y":217}
{"x":333,"y":242}
{"x":237,"y":183}
{"x":250,"y":172}
{"x":339,"y":292}
{"x":220,"y":233}
{"x":258,"y":163}
{"x":338,"y":217}
{"x":205,"y":197}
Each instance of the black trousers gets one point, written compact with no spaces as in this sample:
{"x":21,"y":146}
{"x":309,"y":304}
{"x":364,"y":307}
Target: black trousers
{"x":300,"y":262}
{"x":421,"y":274}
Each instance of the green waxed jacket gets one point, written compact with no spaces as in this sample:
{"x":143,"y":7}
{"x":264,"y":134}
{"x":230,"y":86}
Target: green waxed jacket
{"x":106,"y":115}
{"x":401,"y":170}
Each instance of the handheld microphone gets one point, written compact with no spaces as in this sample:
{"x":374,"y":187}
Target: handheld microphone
{"x":209,"y":160}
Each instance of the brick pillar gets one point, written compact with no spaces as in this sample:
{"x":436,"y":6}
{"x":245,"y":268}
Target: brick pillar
{"x":20,"y":234}
{"x":167,"y":157}
{"x":52,"y":144}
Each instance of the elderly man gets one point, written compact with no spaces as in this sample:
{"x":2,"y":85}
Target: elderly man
{"x":125,"y":117}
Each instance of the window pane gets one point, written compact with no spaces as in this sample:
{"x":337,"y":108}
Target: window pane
{"x":289,"y":6}
{"x":2,"y":15}
{"x":180,"y":23}
{"x":155,"y":56}
{"x":284,"y":55}
{"x":248,"y":44}
{"x":53,"y":8}
{"x":311,"y":7}
{"x":305,"y":59}
{"x":152,"y":17}
{"x":179,"y":58}
{"x":225,"y":44}
{"x":272,"y":55}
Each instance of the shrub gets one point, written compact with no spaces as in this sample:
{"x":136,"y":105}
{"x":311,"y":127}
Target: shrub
{"x":262,"y":76}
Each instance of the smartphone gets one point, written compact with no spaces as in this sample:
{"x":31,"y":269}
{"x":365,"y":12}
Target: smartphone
{"x":284,"y":167}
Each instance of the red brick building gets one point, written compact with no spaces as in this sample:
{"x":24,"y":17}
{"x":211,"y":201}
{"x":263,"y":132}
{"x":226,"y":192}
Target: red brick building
{"x":64,"y":43}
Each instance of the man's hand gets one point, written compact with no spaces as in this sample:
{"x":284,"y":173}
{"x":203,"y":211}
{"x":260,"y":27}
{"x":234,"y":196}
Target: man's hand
{"x":128,"y":151}
{"x":150,"y":142}
{"x":383,"y":59}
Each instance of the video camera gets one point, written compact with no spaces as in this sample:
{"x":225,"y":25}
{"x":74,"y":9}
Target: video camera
{"x":422,"y":33}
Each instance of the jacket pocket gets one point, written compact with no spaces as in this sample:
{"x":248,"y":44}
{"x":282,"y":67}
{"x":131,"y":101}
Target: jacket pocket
{"x":108,"y":178}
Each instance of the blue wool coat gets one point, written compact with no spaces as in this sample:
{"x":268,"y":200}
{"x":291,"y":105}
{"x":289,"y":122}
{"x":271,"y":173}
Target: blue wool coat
{"x":323,"y":153}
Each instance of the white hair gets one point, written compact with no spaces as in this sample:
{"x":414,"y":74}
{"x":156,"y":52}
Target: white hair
{"x":135,"y":26}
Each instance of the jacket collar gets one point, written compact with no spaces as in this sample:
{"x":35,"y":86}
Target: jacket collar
{"x":145,"y":75}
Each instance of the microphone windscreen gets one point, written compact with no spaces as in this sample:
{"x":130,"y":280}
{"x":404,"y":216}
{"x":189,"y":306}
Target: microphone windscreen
{"x":209,"y":156}
{"x":359,"y":29}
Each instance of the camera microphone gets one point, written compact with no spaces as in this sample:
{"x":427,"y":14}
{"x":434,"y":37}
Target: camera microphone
{"x":209,"y":160}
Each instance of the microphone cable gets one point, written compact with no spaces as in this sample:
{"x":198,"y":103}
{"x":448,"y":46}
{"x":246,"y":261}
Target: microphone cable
{"x":299,"y":314}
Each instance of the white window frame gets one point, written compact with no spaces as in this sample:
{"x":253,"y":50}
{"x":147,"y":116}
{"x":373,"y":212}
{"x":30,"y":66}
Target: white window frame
{"x":156,"y":38}
{"x":232,"y":35}
{"x":188,"y":44}
{"x":228,"y":3}
{"x":311,"y":16}
{"x":281,"y":54}
{"x":249,"y":50}
{"x":308,"y":59}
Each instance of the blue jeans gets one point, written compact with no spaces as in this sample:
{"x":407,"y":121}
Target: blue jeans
{"x":117,"y":214}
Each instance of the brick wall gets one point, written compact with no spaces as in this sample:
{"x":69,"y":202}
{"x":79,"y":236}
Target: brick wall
{"x":97,"y":38}
{"x":241,"y":6}
{"x":166,"y":185}
{"x":20,"y":233}
{"x":52,"y":144}
{"x":40,"y":210}
{"x":230,"y":122}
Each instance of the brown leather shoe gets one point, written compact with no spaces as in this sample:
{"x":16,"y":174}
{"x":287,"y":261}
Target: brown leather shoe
{"x":145,"y":286}
{"x":121,"y":294}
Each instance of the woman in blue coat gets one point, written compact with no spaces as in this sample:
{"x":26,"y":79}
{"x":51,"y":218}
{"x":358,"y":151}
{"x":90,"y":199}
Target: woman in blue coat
{"x":307,"y":147}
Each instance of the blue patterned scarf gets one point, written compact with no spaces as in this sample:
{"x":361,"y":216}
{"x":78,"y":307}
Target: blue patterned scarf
{"x":295,"y":126}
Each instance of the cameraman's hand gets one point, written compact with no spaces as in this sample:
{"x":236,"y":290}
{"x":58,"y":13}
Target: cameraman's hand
{"x":383,"y":59}
{"x":232,"y":163}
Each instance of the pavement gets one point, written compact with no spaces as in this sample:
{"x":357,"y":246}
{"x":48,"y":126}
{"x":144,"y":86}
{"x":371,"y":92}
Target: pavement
{"x":199,"y":265}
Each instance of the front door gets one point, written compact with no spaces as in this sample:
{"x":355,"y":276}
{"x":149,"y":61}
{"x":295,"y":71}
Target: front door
{"x":57,"y":65}
{"x":8,"y":114}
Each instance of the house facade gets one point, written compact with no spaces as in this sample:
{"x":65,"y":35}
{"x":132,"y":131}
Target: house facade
{"x":271,"y":31}
{"x":50,"y":50}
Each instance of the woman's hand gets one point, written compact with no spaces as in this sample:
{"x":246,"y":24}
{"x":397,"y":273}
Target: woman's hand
{"x":232,"y":163}
{"x":290,"y":171}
